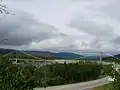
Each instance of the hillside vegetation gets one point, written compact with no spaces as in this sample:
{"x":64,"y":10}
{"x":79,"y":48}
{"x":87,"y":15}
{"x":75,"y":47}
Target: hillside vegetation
{"x":58,"y":74}
{"x":27,"y":77}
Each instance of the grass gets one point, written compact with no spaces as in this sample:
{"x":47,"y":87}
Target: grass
{"x":105,"y":87}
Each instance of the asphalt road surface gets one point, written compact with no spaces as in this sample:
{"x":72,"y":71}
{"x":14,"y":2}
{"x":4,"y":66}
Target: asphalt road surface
{"x":79,"y":86}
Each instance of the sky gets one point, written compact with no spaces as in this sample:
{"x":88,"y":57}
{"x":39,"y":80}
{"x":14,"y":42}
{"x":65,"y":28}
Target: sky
{"x":62,"y":25}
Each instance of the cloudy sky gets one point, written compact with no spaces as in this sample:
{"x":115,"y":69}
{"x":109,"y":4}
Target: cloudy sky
{"x":62,"y":25}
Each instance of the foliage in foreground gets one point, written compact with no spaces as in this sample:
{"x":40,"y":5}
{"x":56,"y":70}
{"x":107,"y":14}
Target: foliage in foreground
{"x":15,"y":77}
{"x":105,"y":87}
{"x":27,"y":77}
{"x":59,"y":74}
{"x":109,"y":70}
{"x":116,"y":83}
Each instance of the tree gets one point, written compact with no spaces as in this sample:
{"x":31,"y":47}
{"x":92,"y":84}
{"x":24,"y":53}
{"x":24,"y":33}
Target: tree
{"x":116,"y":75}
{"x":15,"y":77}
{"x":3,"y":8}
{"x":114,"y":72}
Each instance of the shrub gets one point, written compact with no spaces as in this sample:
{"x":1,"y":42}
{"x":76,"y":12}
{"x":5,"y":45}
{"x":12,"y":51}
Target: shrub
{"x":15,"y":77}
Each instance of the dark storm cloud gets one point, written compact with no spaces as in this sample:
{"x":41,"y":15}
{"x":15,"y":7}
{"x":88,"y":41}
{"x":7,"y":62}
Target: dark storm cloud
{"x":22,"y":29}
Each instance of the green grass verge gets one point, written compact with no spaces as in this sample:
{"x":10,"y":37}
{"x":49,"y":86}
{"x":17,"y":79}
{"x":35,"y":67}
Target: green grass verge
{"x":105,"y":87}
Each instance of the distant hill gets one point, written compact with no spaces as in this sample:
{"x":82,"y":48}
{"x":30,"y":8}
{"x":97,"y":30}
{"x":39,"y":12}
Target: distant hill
{"x":67,"y":55}
{"x":91,"y":58}
{"x":115,"y":58}
{"x":43,"y":53}
{"x":118,"y":55}
{"x":5,"y":51}
{"x":60,"y":55}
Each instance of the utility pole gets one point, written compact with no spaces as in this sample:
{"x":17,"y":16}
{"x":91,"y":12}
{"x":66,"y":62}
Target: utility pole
{"x":100,"y":53}
{"x":16,"y":56}
{"x":100,"y":56}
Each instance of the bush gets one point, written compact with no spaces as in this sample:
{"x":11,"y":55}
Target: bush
{"x":15,"y":77}
{"x":27,"y":77}
{"x":59,"y":74}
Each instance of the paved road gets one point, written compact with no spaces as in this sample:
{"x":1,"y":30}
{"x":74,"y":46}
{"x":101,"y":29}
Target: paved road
{"x":79,"y":86}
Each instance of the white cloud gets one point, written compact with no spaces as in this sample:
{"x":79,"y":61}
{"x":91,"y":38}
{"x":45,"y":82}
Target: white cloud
{"x":84,"y":24}
{"x":23,"y":29}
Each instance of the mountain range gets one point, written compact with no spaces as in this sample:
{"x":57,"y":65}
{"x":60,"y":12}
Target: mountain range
{"x":60,"y":55}
{"x":114,"y":58}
